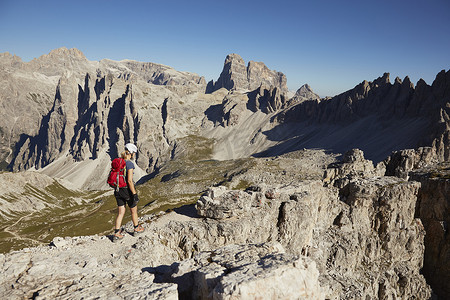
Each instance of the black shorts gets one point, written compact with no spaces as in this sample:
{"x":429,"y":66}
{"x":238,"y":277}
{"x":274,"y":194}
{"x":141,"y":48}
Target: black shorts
{"x":124,"y":196}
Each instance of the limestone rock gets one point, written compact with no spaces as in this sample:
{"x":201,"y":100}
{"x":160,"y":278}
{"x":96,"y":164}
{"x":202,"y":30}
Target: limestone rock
{"x":232,"y":108}
{"x":277,"y":277}
{"x":352,"y":166}
{"x":246,"y":272}
{"x":400,"y":163}
{"x":387,"y":246}
{"x":226,"y":205}
{"x":234,"y":74}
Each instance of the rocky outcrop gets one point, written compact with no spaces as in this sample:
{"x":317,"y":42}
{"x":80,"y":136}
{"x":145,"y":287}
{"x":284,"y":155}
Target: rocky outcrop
{"x":233,"y":271}
{"x":372,"y":234}
{"x":352,"y":166}
{"x":432,"y":207}
{"x":368,"y":246}
{"x":224,"y":205}
{"x":388,"y":241}
{"x":400,"y":163}
{"x":51,"y":273}
{"x":245,"y":272}
{"x":231,"y":110}
{"x":236,"y":76}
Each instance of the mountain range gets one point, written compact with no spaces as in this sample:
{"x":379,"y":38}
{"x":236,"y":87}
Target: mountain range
{"x":63,"y":113}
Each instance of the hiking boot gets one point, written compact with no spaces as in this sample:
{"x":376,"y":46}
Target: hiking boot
{"x":118,"y":235}
{"x":138,"y":229}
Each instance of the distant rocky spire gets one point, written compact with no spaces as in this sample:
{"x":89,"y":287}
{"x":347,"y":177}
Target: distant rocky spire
{"x":305,"y":92}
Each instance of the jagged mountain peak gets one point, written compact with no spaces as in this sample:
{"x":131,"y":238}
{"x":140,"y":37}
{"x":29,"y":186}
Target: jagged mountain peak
{"x":64,"y":52}
{"x":9,"y":56}
{"x":233,"y":57}
{"x":237,"y":76}
{"x":382,"y":80}
{"x":305,"y":91}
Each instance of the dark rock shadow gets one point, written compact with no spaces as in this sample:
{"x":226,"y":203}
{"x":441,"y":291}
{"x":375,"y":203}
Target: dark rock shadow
{"x":251,"y":103}
{"x":187,"y":210}
{"x":17,"y":147}
{"x":147,"y":177}
{"x":375,"y":138}
{"x":214,"y":113}
{"x":115,"y":117}
{"x":163,"y":274}
{"x":171,"y":176}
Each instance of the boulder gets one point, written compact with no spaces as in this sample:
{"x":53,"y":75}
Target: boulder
{"x":223,"y":205}
{"x":400,"y":163}
{"x":247,"y":272}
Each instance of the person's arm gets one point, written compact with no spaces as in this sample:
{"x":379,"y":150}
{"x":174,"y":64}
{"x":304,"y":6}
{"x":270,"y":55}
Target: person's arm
{"x":130,"y":181}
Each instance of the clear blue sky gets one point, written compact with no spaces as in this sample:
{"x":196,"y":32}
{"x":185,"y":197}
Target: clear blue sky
{"x":331,"y":45}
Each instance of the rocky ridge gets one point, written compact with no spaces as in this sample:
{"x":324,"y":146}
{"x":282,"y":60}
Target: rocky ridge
{"x":373,"y":113}
{"x":364,"y":240}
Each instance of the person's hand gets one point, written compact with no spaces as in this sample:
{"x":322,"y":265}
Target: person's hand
{"x":135,"y":198}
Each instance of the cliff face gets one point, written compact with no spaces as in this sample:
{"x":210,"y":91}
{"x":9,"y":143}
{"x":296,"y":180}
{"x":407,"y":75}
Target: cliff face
{"x":433,"y":208}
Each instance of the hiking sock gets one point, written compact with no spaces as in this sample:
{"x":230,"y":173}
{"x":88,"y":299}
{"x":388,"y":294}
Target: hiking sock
{"x":136,"y":226}
{"x":116,"y":230}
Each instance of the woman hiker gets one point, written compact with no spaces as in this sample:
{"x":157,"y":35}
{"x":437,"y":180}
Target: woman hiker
{"x":127,"y":195}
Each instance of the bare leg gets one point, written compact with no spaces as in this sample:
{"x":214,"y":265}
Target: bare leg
{"x":134,"y":215}
{"x":120,"y":214}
